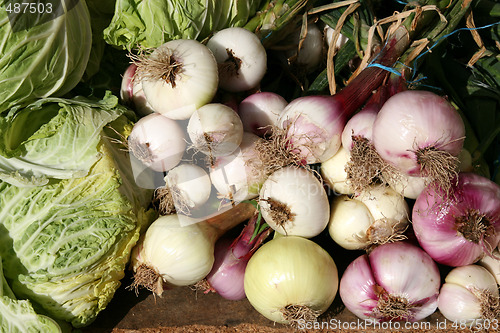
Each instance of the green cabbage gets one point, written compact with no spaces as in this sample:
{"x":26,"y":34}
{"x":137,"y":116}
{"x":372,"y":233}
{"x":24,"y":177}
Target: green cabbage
{"x":43,"y":54}
{"x":148,"y":24}
{"x":18,"y":316}
{"x":65,"y":243}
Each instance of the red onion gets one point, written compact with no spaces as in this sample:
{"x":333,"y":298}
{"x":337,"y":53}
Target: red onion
{"x":260,"y":111}
{"x":396,"y":281}
{"x":231,"y":258}
{"x":460,"y":229}
{"x":313,"y":125}
{"x":420,"y":134}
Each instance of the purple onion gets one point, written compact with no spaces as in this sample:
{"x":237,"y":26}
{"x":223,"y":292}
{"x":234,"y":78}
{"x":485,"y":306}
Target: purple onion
{"x":461,"y":228}
{"x":395,"y":282}
{"x":231,"y":259}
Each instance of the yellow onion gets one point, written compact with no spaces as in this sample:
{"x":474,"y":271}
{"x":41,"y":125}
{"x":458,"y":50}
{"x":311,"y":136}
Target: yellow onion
{"x":291,"y":280}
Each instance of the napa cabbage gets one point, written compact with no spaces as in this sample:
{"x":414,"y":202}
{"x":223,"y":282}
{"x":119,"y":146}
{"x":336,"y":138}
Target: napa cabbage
{"x":18,"y":316}
{"x":148,"y":24}
{"x":67,"y":229}
{"x":42,"y":53}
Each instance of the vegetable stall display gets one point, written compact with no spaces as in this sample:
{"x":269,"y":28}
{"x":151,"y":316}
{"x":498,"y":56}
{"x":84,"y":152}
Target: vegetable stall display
{"x":292,"y":154}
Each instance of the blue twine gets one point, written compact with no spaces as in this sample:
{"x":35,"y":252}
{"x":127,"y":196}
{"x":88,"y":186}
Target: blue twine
{"x":393,"y":71}
{"x":387,"y":68}
{"x":446,"y":36}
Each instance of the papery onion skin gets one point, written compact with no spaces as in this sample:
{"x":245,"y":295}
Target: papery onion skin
{"x":434,"y":220}
{"x":411,"y":120}
{"x":290,"y":270}
{"x":398,"y":269}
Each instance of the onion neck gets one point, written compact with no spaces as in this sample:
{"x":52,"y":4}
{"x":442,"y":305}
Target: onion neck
{"x":219,"y":223}
{"x":249,"y":239}
{"x":361,"y":88}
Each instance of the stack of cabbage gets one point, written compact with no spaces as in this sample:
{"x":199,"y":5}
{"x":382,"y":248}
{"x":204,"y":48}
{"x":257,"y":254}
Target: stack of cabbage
{"x":69,"y":209}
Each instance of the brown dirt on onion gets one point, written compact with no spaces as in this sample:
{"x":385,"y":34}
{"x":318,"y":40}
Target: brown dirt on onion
{"x":296,"y":314}
{"x":147,"y":277}
{"x":160,"y":66}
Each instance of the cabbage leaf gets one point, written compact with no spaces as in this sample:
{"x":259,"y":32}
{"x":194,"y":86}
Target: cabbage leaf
{"x":18,"y":316}
{"x":42,"y":54}
{"x":148,"y":24}
{"x":65,"y":244}
{"x":53,"y":138}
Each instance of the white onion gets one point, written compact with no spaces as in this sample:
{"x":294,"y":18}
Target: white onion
{"x":190,"y":187}
{"x":469,"y":296}
{"x":329,"y":33}
{"x":377,"y":215}
{"x":492,"y":263}
{"x":310,"y":54}
{"x":241,"y":57}
{"x":215,"y":129}
{"x":178,"y":77}
{"x":170,"y":254}
{"x":239,"y":176}
{"x":293,"y":202}
{"x":158,"y":142}
{"x":333,"y":172}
